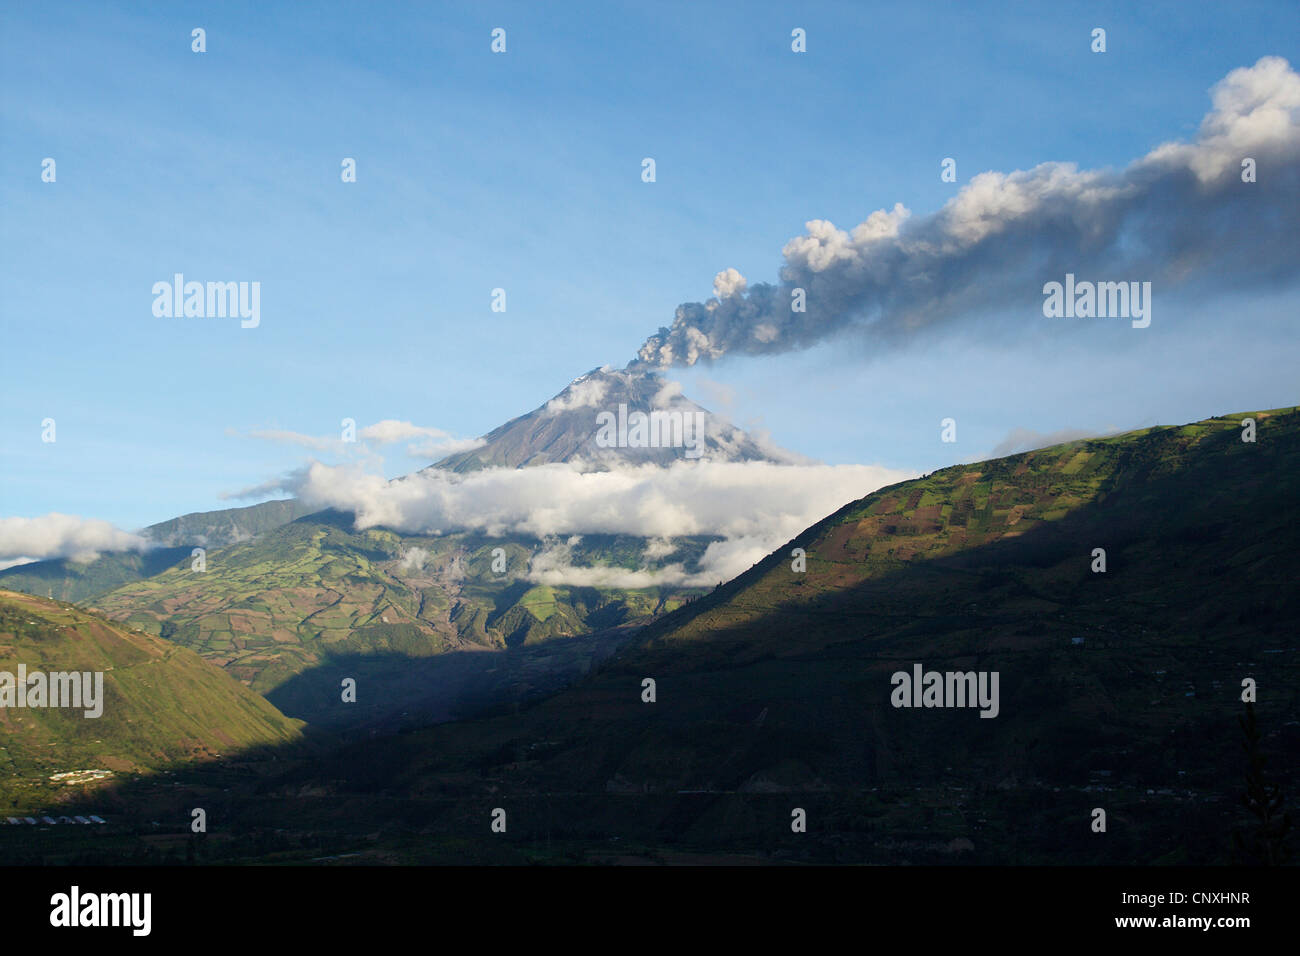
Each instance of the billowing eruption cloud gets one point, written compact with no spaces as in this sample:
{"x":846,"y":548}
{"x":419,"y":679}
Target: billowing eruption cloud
{"x":1178,"y":217}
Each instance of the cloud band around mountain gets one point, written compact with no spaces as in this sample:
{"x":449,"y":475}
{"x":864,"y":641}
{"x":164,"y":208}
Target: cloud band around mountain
{"x":753,"y":506}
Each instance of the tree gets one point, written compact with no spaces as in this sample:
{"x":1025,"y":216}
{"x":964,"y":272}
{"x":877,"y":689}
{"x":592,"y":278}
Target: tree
{"x":1265,"y":841}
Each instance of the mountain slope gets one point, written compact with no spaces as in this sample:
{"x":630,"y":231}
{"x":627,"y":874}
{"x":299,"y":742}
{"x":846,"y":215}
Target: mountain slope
{"x":161,"y":703}
{"x":64,"y":579}
{"x":1118,"y":690}
{"x":217,"y":529}
{"x":567,"y":428}
{"x":312,"y":591}
{"x":315,"y":592}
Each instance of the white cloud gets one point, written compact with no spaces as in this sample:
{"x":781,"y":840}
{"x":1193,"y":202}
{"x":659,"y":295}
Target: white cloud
{"x":581,"y":393}
{"x":413,"y":559}
{"x":657,"y":548}
{"x":55,"y":535}
{"x":435,"y":443}
{"x":754,"y":506}
{"x":263,"y":490}
{"x":1026,"y":439}
{"x":390,"y":430}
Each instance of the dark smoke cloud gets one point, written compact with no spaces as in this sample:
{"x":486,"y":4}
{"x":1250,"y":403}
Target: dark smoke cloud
{"x":1179,"y":217}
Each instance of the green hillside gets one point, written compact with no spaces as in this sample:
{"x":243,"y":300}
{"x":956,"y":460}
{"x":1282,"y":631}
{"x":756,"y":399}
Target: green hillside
{"x":162,"y":704}
{"x":64,"y":579}
{"x":314,"y":593}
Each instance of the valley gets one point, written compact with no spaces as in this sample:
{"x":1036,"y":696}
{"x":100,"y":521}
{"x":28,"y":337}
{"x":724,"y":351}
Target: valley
{"x":1121,"y":690}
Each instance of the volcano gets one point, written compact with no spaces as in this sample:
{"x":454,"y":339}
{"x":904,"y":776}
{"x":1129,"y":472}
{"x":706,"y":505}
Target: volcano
{"x":569,"y":428}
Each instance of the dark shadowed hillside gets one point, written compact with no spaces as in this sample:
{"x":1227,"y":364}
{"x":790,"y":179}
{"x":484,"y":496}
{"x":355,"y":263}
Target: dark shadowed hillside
{"x":1119,"y":690}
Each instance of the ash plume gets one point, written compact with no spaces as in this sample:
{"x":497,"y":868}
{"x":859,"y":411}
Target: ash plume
{"x":1181,"y":216}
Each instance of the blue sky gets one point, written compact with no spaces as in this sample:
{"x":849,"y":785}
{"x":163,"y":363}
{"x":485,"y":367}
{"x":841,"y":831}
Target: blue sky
{"x":522,"y":171}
